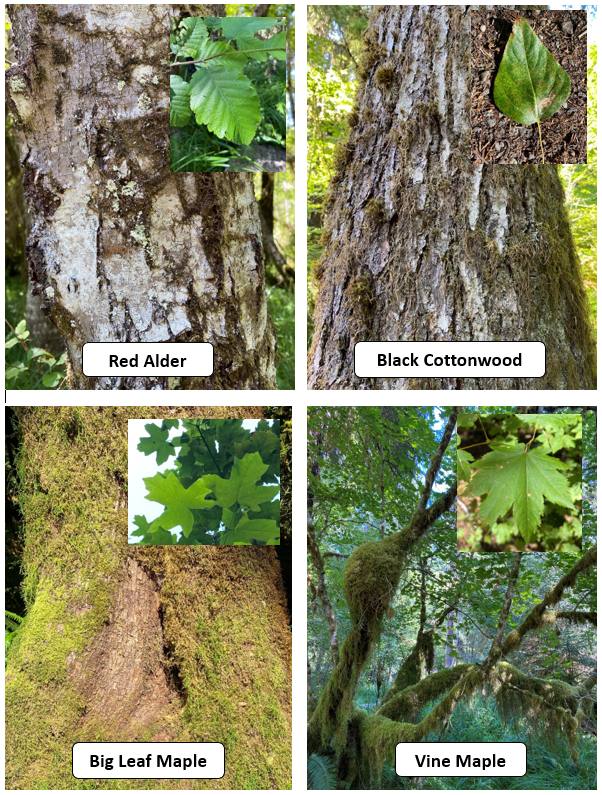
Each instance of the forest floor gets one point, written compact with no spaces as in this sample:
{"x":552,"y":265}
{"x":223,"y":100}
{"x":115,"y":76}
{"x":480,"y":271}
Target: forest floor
{"x":497,"y":139}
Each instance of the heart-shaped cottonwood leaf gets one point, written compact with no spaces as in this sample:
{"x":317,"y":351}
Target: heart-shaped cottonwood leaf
{"x":225,"y":100}
{"x":156,"y":442}
{"x":530,"y":85}
{"x":241,"y":485}
{"x":178,"y":501}
{"x":520,"y":480}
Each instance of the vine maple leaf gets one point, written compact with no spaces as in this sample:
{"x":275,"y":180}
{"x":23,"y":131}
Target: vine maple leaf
{"x":178,"y":501}
{"x":156,"y":442}
{"x":520,"y":479}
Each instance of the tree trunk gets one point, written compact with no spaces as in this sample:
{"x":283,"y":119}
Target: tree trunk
{"x":266,"y":214}
{"x":121,"y":249}
{"x":261,"y":10}
{"x":123,"y":643}
{"x":421,"y":244}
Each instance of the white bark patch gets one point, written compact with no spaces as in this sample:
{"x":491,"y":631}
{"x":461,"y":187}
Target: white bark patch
{"x":472,"y":194}
{"x":498,"y":220}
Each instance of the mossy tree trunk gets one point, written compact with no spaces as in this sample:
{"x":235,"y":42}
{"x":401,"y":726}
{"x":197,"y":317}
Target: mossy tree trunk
{"x":121,"y":249}
{"x":364,"y":742}
{"x":421,"y":245}
{"x":122,"y":643}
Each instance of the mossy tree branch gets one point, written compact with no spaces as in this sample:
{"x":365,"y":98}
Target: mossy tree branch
{"x":372,"y":575}
{"x":322,"y":590}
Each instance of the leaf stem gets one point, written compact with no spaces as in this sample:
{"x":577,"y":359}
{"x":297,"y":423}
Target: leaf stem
{"x":528,"y":445}
{"x":211,"y":454}
{"x":543,"y":160}
{"x":223,"y":54}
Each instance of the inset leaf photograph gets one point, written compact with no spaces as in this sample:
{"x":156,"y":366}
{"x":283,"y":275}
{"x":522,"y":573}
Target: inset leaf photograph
{"x":519,"y":482}
{"x":210,"y":482}
{"x":529,"y":86}
{"x":228,"y":94}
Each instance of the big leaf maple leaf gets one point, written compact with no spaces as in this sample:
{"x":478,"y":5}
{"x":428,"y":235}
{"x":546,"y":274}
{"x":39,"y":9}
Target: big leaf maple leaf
{"x":241,"y":485}
{"x":519,"y":479}
{"x":156,"y":442}
{"x":177,"y":500}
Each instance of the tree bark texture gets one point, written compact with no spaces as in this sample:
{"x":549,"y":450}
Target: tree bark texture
{"x":124,"y":643}
{"x":421,"y":245}
{"x":121,"y":249}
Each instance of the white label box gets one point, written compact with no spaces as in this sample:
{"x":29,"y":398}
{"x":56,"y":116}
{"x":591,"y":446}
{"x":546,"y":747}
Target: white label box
{"x":461,"y":759}
{"x":174,"y":359}
{"x":148,"y":760}
{"x":450,"y":359}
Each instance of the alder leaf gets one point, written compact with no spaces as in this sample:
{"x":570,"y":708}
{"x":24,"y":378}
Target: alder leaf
{"x":240,"y":487}
{"x":519,"y":479}
{"x":156,"y":442}
{"x":530,"y":85}
{"x":234,"y":26}
{"x":225,"y":100}
{"x":230,"y":57}
{"x":177,"y":500}
{"x":195,"y":34}
{"x":179,"y":102}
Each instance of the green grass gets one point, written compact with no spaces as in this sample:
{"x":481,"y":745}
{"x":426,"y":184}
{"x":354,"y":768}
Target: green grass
{"x":195,"y":149}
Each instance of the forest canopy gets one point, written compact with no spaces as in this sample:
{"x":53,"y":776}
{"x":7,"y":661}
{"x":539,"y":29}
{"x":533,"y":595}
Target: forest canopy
{"x":410,"y":639}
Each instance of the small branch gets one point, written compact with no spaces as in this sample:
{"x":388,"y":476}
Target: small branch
{"x":223,"y":54}
{"x":495,"y":651}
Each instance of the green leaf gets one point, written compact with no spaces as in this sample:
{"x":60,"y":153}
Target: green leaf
{"x":177,"y":500}
{"x":249,"y":530}
{"x":274,"y":46}
{"x":520,"y":480}
{"x":156,"y":442}
{"x":225,"y":100}
{"x":464,"y":461}
{"x":230,"y":57}
{"x":52,"y":380}
{"x":241,"y":485}
{"x":234,"y":26}
{"x":195,"y":35}
{"x":167,"y":424}
{"x":11,"y":342}
{"x":530,"y":85}
{"x":179,"y":102}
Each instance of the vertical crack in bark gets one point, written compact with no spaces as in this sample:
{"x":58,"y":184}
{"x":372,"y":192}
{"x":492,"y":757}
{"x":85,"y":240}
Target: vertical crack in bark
{"x":121,"y":677}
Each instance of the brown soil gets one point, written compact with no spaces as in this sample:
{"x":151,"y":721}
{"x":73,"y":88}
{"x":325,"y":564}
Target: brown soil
{"x":496,"y":138}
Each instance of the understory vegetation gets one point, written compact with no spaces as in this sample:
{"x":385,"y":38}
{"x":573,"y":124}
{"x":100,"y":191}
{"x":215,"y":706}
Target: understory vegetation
{"x":412,"y":640}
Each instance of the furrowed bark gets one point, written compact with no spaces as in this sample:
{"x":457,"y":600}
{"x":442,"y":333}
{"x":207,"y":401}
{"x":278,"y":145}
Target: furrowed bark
{"x":421,"y":245}
{"x":121,"y":249}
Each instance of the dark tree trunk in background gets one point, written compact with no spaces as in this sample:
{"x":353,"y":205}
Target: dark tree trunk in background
{"x":424,"y":246}
{"x":121,"y":249}
{"x":266,"y":214}
{"x":261,"y":10}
